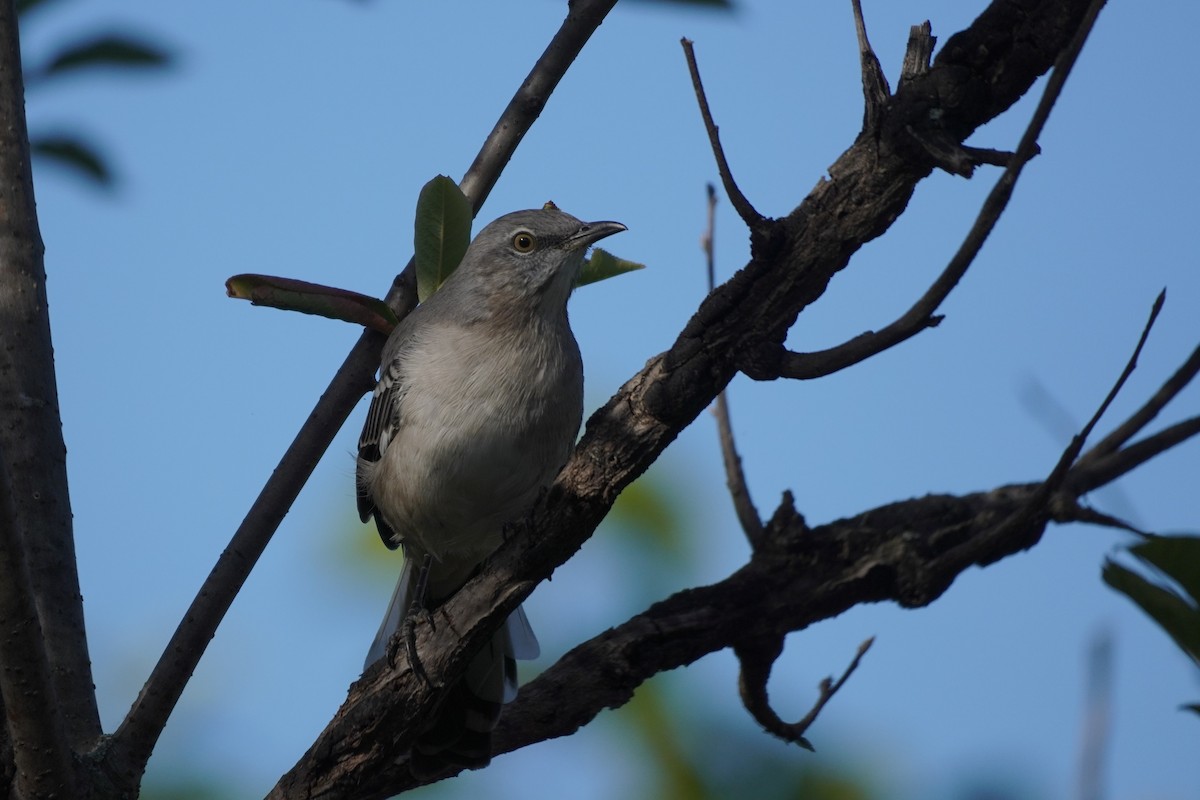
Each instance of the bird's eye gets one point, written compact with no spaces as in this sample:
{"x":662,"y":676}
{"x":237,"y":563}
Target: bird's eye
{"x":524,"y":242}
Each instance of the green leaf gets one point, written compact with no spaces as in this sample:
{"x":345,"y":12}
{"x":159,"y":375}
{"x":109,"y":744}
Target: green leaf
{"x":646,"y":507}
{"x":603,"y":265}
{"x":441,"y":235}
{"x":1175,"y":615}
{"x":1177,"y":557}
{"x":106,"y":50}
{"x":313,"y":298}
{"x":75,"y":154}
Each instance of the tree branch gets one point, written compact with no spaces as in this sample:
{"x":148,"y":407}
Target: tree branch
{"x":138,"y":733}
{"x":1117,"y":439}
{"x":876,"y":92}
{"x":31,"y":433}
{"x":41,"y":757}
{"x":744,"y":207}
{"x":977,"y":76}
{"x":735,"y":477}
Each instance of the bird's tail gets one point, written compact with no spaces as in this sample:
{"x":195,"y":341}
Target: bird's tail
{"x":460,"y":733}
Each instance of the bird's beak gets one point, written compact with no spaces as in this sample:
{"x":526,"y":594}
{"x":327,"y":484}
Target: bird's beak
{"x":591,"y":232}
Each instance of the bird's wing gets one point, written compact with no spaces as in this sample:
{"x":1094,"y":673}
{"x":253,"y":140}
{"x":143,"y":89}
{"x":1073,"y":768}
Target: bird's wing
{"x":383,"y":419}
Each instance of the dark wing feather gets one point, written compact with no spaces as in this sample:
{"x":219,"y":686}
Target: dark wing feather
{"x":383,"y":418}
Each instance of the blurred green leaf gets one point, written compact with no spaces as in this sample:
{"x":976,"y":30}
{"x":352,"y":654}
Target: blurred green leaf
{"x":313,"y":298}
{"x":1174,"y":613}
{"x":677,"y":777}
{"x":441,"y":234}
{"x":604,"y":264}
{"x":646,"y":507}
{"x":105,"y":50}
{"x":1177,"y":557}
{"x":75,"y":154}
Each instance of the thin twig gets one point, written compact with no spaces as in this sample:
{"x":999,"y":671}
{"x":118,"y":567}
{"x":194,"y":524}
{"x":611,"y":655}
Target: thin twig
{"x":1090,"y":474}
{"x":828,"y":690}
{"x":740,"y":204}
{"x":735,"y":476}
{"x":1039,"y":505}
{"x":137,"y":734}
{"x":805,"y":366}
{"x":756,"y":662}
{"x":41,"y":755}
{"x":1071,"y":454}
{"x":1144,"y":415}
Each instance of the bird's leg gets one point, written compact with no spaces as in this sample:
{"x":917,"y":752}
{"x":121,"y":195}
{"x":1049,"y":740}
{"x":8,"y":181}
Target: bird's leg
{"x":408,"y":632}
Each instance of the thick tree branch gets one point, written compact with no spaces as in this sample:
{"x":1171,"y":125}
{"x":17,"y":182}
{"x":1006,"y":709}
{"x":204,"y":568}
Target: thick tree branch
{"x":41,"y":758}
{"x":31,"y":433}
{"x":978,"y":75}
{"x":137,"y":735}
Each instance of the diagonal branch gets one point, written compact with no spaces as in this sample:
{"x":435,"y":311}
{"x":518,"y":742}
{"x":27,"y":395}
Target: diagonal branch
{"x":1092,"y":473}
{"x":1166,"y":393}
{"x":138,"y":733}
{"x":805,"y":366}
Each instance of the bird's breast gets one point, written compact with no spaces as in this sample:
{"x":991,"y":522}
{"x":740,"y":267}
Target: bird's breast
{"x":487,"y":420}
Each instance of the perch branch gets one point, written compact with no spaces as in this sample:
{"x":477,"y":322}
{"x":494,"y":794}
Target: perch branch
{"x":740,"y":204}
{"x":138,"y":733}
{"x":805,"y":366}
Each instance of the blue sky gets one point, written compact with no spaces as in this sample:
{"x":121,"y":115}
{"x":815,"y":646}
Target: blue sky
{"x":292,"y":138}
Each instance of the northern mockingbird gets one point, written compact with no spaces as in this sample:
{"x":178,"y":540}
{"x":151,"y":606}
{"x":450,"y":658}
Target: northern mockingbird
{"x":479,"y":402}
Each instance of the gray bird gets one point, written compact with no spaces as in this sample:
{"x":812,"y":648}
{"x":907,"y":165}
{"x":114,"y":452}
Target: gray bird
{"x":479,"y":402}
